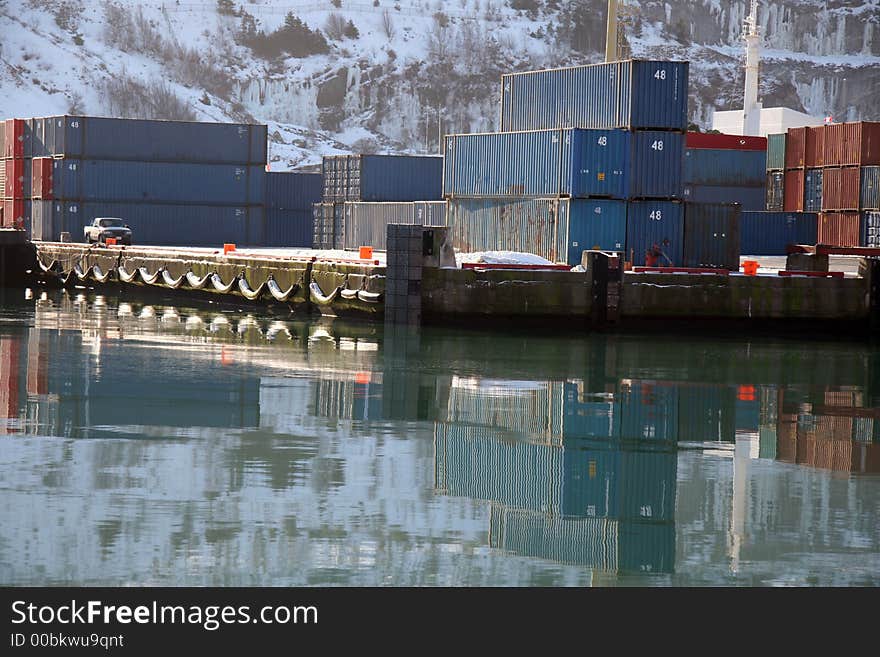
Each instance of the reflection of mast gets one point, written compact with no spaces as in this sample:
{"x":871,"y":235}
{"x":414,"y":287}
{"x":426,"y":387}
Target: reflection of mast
{"x":751,"y":106}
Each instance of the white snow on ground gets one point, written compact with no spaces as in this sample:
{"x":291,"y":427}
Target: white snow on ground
{"x":501,"y":258}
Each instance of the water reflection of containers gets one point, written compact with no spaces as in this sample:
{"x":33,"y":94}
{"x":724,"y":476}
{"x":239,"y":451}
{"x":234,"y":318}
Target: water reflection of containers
{"x":10,"y":366}
{"x":649,"y":411}
{"x":786,"y":437}
{"x":589,"y":419}
{"x":706,"y":413}
{"x":476,"y":462}
{"x":600,"y":543}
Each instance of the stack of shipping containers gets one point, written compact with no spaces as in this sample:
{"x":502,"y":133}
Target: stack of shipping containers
{"x":173,"y":182}
{"x":290,"y":198}
{"x":363,"y":193}
{"x":833,"y":170}
{"x":588,"y":157}
{"x":15,"y":174}
{"x":725,"y":169}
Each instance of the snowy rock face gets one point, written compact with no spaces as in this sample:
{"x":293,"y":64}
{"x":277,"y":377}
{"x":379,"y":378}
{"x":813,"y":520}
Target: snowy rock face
{"x":397,"y":75}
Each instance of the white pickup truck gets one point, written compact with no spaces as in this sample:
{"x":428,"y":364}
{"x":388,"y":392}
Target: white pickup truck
{"x":103,"y":227}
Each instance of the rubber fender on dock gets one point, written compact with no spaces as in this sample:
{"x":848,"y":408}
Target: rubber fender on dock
{"x":276,"y":291}
{"x":318,"y":297}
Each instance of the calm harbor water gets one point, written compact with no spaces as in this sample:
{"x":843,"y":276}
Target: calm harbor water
{"x":159,"y":444}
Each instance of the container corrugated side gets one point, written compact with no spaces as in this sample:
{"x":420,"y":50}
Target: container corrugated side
{"x":795,"y":148}
{"x":813,"y":190}
{"x":768,"y":233}
{"x":870,"y":193}
{"x":366,"y":223}
{"x":852,"y":144}
{"x":159,"y":182}
{"x":595,"y":224}
{"x":286,"y":228}
{"x":324,"y":225}
{"x":99,"y":138}
{"x":656,"y":165}
{"x":396,"y":178}
{"x":794,"y":190}
{"x":750,"y":198}
{"x":631,"y":94}
{"x":477,"y":463}
{"x":18,"y":178}
{"x":658,"y":223}
{"x":13,"y":138}
{"x":292,"y":190}
{"x":871,"y":228}
{"x":840,"y":228}
{"x":727,"y":142}
{"x":538,"y":226}
{"x":814,"y":148}
{"x":775,"y":192}
{"x":734,"y":168}
{"x":151,"y":224}
{"x":711,"y":235}
{"x":776,"y":151}
{"x":599,"y":164}
{"x":841,"y":188}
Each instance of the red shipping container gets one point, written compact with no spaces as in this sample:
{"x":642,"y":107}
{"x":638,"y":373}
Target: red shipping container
{"x":795,"y":147}
{"x":840,"y":228}
{"x":41,"y":178}
{"x":14,"y":187}
{"x":852,"y":144}
{"x":726,"y":142}
{"x":840,"y":188}
{"x":794,"y":191}
{"x":13,"y":213}
{"x":814,"y":149}
{"x":13,"y":143}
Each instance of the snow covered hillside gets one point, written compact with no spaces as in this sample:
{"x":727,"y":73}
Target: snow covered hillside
{"x":333,"y":76}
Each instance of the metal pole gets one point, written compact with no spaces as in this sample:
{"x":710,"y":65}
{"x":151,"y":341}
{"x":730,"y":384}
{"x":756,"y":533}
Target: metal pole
{"x":439,"y":131}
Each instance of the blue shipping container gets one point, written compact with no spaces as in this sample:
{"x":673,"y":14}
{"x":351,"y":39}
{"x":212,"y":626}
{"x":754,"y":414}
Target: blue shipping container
{"x":595,"y":224}
{"x":97,"y":138}
{"x":158,"y":182}
{"x":659,"y":223}
{"x":768,"y":233}
{"x":382,"y":178}
{"x":870,"y":196}
{"x":711,"y":235}
{"x":871,"y":228}
{"x":813,"y":190}
{"x":287,"y":228}
{"x":724,"y":167}
{"x":751,"y":199}
{"x":177,"y":225}
{"x":630,"y":94}
{"x":571,"y":162}
{"x":292,"y":190}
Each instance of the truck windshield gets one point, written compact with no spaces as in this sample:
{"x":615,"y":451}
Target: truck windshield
{"x":111,"y":223}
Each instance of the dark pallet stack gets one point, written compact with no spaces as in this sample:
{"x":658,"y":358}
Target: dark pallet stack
{"x":588,"y":157}
{"x":834,"y":170}
{"x":355,"y":179}
{"x":173,"y":182}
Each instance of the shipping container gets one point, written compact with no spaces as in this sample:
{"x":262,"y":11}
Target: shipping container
{"x":840,"y":228}
{"x":841,"y":188}
{"x":871,"y":228}
{"x":711,"y":235}
{"x":41,"y":178}
{"x":776,"y":152}
{"x":577,"y":163}
{"x":794,"y":190}
{"x":158,"y":182}
{"x":17,"y":178}
{"x":750,"y":198}
{"x":286,"y":228}
{"x":723,"y":168}
{"x":382,"y":178}
{"x":595,"y":224}
{"x":96,"y":138}
{"x":151,"y":224}
{"x":324,"y":223}
{"x":13,"y":138}
{"x":795,"y":148}
{"x":366,"y":223}
{"x":852,"y":144}
{"x":292,"y":190}
{"x":476,"y":462}
{"x":775,"y":191}
{"x":768,"y":233}
{"x":655,"y":223}
{"x":631,"y":94}
{"x":813,"y":190}
{"x":17,"y":214}
{"x":538,"y":226}
{"x":814,"y":149}
{"x":870,"y":193}
{"x":726,"y":142}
